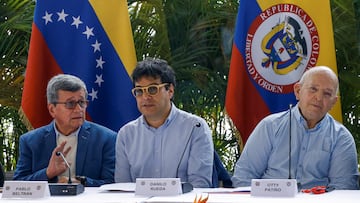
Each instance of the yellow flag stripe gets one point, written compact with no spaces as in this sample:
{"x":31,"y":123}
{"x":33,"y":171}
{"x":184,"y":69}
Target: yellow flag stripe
{"x":114,"y":17}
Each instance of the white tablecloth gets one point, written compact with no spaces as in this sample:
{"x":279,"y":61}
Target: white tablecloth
{"x":96,"y":195}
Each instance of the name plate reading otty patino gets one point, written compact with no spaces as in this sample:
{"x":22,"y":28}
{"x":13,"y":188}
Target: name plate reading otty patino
{"x":25,"y":189}
{"x":158,"y":186}
{"x":274,"y":187}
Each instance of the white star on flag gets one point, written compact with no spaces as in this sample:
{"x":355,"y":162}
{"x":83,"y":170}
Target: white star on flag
{"x":93,"y":94}
{"x":62,"y":16}
{"x":76,"y":22}
{"x":99,"y":62}
{"x":99,"y":80}
{"x":47,"y":17}
{"x":96,"y":46}
{"x":88,"y":32}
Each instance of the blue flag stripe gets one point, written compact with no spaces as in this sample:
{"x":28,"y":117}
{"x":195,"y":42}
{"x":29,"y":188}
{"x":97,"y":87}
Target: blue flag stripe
{"x":81,"y":47}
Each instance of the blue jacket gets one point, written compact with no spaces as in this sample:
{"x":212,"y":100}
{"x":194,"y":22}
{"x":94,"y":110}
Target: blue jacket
{"x":95,"y":157}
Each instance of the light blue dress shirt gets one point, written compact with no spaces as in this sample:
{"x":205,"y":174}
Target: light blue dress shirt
{"x":324,"y":155}
{"x":146,"y":152}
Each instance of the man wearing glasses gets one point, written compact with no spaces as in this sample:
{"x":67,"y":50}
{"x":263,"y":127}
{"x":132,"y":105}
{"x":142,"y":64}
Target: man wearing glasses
{"x":88,"y":148}
{"x":164,"y":142}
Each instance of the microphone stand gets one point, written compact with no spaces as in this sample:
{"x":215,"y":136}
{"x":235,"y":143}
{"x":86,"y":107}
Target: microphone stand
{"x":67,"y":164}
{"x":290,"y":136}
{"x":186,"y":186}
{"x":66,"y":189}
{"x":290,"y":106}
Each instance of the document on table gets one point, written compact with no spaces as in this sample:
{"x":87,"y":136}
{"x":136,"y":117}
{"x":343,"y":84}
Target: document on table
{"x":120,"y":187}
{"x":225,"y":190}
{"x":215,"y":195}
{"x":130,"y":187}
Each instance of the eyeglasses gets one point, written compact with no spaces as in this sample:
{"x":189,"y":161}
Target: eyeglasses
{"x":72,"y":104}
{"x":151,"y":90}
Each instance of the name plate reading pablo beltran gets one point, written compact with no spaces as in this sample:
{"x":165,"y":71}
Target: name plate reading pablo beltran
{"x":25,"y":189}
{"x":274,"y":187}
{"x":158,"y":186}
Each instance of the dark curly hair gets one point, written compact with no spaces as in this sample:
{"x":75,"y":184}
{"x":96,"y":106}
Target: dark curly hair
{"x":156,"y":68}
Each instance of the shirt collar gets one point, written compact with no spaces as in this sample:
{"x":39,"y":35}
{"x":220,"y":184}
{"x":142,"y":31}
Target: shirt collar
{"x":75,"y":133}
{"x":301,"y":119}
{"x":173,"y":112}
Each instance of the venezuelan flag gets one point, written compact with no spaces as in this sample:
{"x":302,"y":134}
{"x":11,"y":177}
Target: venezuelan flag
{"x":275,"y":42}
{"x":91,"y":39}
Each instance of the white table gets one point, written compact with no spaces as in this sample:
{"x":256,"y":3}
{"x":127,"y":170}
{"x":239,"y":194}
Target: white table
{"x":95,"y":195}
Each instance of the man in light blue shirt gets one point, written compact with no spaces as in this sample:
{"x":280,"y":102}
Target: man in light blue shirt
{"x":164,"y":142}
{"x":323,"y":151}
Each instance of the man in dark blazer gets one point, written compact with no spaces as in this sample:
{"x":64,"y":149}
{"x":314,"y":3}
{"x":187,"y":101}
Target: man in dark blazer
{"x":89,"y":148}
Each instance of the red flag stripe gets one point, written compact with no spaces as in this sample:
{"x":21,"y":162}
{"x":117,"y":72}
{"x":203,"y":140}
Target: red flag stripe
{"x":245,"y":111}
{"x":40,"y":68}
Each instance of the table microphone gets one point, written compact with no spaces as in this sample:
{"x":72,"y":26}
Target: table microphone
{"x":65,"y":188}
{"x":67,"y":164}
{"x":290,"y":136}
{"x":290,"y":106}
{"x":186,"y":186}
{"x":277,"y":187}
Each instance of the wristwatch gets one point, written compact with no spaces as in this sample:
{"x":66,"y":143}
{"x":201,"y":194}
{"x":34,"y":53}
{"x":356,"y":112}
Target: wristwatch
{"x":82,"y":180}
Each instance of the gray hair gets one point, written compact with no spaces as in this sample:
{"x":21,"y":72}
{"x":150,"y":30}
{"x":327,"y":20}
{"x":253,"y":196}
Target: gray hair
{"x":318,"y":69}
{"x":63,"y":82}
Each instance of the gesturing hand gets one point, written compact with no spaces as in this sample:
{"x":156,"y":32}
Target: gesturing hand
{"x":56,"y":164}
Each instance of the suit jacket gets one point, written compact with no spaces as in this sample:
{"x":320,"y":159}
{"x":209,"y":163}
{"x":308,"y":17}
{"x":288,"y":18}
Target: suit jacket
{"x":95,"y":157}
{"x":220,"y":174}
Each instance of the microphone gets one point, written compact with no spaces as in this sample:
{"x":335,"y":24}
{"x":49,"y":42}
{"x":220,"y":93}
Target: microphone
{"x":277,"y":187}
{"x":186,"y":186}
{"x":290,"y":136}
{"x":63,"y":188}
{"x":67,"y":164}
{"x":290,"y":106}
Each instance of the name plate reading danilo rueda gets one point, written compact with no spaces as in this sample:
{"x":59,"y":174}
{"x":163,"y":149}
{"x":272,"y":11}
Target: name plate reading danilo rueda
{"x":158,"y":186}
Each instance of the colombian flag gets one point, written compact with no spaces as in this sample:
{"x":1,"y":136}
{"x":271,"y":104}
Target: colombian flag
{"x":91,"y":39}
{"x":275,"y":42}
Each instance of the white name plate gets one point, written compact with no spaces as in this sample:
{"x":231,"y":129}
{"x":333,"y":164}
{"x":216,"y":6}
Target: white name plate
{"x":25,"y":189}
{"x":158,"y":186}
{"x":274,"y":187}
